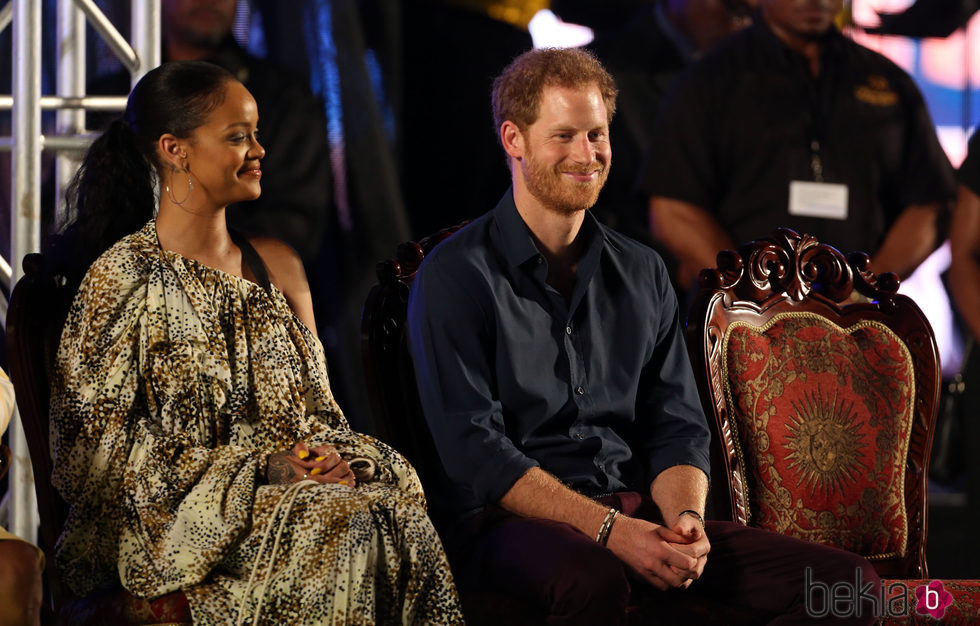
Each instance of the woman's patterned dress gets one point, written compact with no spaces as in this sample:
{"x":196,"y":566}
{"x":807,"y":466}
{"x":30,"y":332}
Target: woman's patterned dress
{"x":174,"y":381}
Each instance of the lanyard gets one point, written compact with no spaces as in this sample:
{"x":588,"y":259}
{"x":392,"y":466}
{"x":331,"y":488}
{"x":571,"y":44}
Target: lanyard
{"x":819,"y":101}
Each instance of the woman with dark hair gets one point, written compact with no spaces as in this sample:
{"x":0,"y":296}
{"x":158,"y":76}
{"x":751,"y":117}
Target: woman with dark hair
{"x":196,"y":440}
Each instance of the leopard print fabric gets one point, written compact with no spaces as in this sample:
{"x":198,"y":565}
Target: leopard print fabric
{"x":173,"y":383}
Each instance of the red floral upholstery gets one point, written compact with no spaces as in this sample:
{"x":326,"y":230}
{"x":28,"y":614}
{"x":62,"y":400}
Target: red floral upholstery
{"x":124,"y":609}
{"x":170,"y":608}
{"x":821,"y":417}
{"x":963,"y":607}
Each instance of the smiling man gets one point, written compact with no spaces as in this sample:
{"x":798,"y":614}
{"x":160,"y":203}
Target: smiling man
{"x":554,"y":379}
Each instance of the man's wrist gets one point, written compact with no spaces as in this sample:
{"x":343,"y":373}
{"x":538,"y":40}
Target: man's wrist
{"x":693,"y":514}
{"x":606,"y":528}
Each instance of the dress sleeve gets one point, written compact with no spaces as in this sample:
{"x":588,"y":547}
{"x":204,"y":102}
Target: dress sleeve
{"x":154,"y":502}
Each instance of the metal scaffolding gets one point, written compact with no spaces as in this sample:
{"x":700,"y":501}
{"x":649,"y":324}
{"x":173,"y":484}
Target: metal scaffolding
{"x":69,"y":140}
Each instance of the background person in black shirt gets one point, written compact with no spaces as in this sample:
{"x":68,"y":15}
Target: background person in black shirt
{"x":789,"y":123}
{"x":965,"y":240}
{"x":296,"y":182}
{"x":645,"y":50}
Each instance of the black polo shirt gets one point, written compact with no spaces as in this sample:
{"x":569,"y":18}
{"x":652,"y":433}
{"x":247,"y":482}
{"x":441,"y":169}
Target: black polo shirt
{"x":596,"y":390}
{"x":969,"y":172}
{"x":749,"y":118}
{"x":645,"y":55}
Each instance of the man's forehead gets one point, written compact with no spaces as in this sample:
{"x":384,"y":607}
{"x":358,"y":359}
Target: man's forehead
{"x":560,"y":97}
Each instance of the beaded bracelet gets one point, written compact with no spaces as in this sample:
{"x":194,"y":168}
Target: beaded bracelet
{"x":606,"y":527}
{"x":694,"y":513}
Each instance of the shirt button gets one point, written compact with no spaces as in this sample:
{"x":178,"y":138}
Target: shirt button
{"x":579,"y":436}
{"x":540,"y":260}
{"x":580,"y":390}
{"x":568,"y":330}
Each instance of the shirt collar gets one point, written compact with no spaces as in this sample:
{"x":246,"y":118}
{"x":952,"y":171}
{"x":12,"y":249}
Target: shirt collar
{"x":511,"y":235}
{"x":782,"y":54}
{"x":513,"y":238}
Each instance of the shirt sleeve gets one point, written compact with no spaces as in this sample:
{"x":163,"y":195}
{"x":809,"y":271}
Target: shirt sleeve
{"x":450,"y":339}
{"x":681,"y":158}
{"x":969,"y":172}
{"x":926,"y":175}
{"x":671,"y":427}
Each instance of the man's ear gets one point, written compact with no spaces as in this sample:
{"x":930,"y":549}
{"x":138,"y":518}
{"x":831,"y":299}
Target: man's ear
{"x":172,"y":151}
{"x":512,"y":139}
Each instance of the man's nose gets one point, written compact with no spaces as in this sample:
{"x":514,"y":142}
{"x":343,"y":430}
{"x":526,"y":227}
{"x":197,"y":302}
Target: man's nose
{"x":582,"y":150}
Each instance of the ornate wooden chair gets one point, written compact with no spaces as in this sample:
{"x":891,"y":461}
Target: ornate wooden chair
{"x":34,"y":320}
{"x":823,"y":411}
{"x":822,"y":383}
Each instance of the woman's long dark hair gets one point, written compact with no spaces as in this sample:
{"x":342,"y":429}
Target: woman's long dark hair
{"x":112,"y":194}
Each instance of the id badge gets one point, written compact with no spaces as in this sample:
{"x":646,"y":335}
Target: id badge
{"x":825,"y":200}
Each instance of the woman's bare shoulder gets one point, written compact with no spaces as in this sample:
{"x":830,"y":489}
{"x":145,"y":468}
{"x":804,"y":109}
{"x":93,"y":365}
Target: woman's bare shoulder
{"x":286,"y":272}
{"x":283,"y":262}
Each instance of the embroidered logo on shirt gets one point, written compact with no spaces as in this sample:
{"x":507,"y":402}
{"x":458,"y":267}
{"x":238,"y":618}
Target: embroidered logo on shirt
{"x":876,"y":92}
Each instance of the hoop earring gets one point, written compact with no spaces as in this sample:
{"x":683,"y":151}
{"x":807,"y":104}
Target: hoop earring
{"x":190,"y":188}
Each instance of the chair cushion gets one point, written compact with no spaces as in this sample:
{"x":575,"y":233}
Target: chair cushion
{"x":120,"y":607}
{"x":822,"y":417}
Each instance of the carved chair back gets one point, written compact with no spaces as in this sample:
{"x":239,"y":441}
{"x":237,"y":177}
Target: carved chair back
{"x":822,"y":383}
{"x":34,"y":320}
{"x":388,"y":368}
{"x":35,"y":317}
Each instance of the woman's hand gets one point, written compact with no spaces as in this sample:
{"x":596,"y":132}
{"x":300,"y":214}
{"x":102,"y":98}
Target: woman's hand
{"x":321,"y":464}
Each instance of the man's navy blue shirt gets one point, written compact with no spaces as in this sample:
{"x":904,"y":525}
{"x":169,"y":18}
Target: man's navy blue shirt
{"x":596,"y":390}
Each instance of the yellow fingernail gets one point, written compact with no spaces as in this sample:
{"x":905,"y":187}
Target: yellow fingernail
{"x":303,"y":454}
{"x":315,"y":471}
{"x":341,"y":482}
{"x":320,"y":458}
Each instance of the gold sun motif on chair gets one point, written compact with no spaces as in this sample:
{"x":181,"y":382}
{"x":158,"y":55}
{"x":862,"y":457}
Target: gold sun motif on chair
{"x":825,"y":443}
